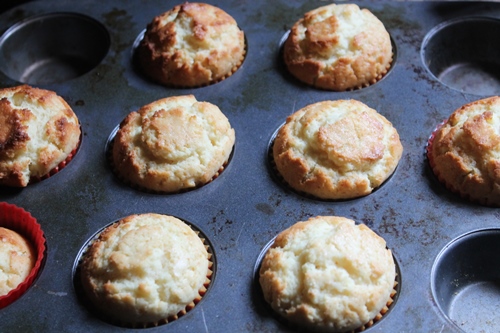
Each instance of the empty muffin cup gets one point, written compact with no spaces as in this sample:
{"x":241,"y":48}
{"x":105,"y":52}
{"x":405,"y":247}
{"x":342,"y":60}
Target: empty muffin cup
{"x":465,"y":281}
{"x":52,"y":48}
{"x":461,"y":55}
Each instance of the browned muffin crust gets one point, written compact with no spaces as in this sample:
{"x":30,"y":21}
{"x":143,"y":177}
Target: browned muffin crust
{"x":191,"y":45}
{"x":38,"y":130}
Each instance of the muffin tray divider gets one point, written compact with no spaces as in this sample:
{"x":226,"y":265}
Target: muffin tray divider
{"x":244,"y":208}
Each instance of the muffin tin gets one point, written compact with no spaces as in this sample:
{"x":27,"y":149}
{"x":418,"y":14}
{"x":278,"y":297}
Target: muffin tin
{"x":446,"y":248}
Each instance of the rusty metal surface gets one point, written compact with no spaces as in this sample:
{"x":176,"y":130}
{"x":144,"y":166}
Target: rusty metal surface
{"x":243,"y":209}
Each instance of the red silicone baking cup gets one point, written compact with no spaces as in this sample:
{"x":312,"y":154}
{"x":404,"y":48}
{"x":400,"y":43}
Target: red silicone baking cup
{"x":19,"y":220}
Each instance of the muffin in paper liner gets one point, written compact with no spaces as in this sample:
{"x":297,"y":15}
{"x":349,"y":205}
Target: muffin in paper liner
{"x":111,"y":311}
{"x":463,"y":151}
{"x":335,"y":150}
{"x":190,"y":46}
{"x":338,"y":47}
{"x":172,"y":145}
{"x":22,"y":222}
{"x":39,"y":135}
{"x":275,"y":272}
{"x":109,"y":158}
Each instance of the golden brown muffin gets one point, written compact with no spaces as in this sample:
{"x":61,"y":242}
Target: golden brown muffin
{"x":336,"y":149}
{"x":328,"y":274}
{"x":338,"y":47}
{"x":191,"y":45}
{"x":38,"y":130}
{"x":145,"y":269}
{"x":17,"y":258}
{"x":464,"y":153}
{"x":173,"y":144}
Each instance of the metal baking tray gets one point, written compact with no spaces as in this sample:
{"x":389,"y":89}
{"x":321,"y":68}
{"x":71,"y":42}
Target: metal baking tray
{"x":443,"y":287}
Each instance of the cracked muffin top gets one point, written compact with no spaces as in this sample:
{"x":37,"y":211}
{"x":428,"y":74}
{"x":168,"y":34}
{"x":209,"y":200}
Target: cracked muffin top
{"x":464,"y":152}
{"x":338,"y":47}
{"x":336,"y":149}
{"x":173,"y":144}
{"x":191,"y":45}
{"x":328,"y":274}
{"x":38,"y":130}
{"x":145,"y":268}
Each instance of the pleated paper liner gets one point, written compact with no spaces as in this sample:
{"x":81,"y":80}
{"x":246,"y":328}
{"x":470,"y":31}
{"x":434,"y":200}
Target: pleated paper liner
{"x":109,"y":157}
{"x":278,"y":178}
{"x":61,"y":165}
{"x":17,"y":219}
{"x":138,"y":69}
{"x":88,"y":305}
{"x":365,"y":85}
{"x":267,"y":310}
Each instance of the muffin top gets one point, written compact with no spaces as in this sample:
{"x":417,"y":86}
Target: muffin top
{"x":173,"y":144}
{"x":193,"y":44}
{"x":328,"y":274}
{"x":17,"y":258}
{"x":38,"y":130}
{"x":145,"y":268}
{"x":338,"y":47}
{"x":336,"y":149}
{"x":465,"y":151}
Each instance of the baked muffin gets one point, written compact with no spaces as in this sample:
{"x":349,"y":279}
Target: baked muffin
{"x":191,"y":45}
{"x":173,"y":144}
{"x":38,"y":132}
{"x":336,"y":149}
{"x":145,"y":269}
{"x":327,"y":274}
{"x":464,"y":152}
{"x":22,"y":251}
{"x":338,"y":47}
{"x":17,"y":258}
